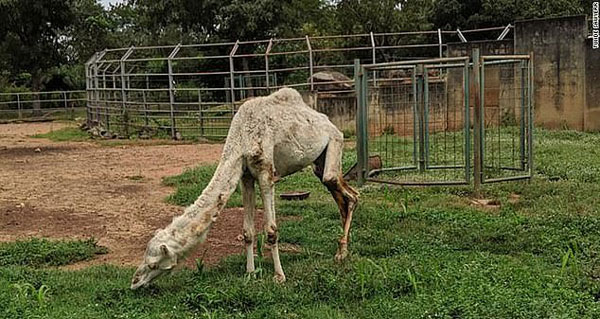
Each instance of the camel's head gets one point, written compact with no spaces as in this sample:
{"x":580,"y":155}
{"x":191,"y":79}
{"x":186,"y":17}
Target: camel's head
{"x":158,"y":259}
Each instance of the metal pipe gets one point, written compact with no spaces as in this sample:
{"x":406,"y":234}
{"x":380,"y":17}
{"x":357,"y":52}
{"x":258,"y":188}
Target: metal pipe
{"x":477,"y":123}
{"x":440,"y":41}
{"x":461,"y":36}
{"x":310,"y":64}
{"x":269,"y":47}
{"x":231,"y":74}
{"x":172,"y":89}
{"x":504,"y":33}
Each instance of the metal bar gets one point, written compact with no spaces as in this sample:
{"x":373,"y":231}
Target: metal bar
{"x":373,"y":56}
{"x":506,"y":57}
{"x":404,"y":46}
{"x":391,"y":169}
{"x":506,"y":179}
{"x":269,"y":47}
{"x":361,"y":165}
{"x":436,"y":183}
{"x":531,"y":114}
{"x":416,"y":120}
{"x":440,"y":41}
{"x":382,"y":66}
{"x":96,"y":94}
{"x":123,"y":92}
{"x":310,"y":61}
{"x":19,"y":106}
{"x":365,"y":120}
{"x":477,"y":122}
{"x":482,"y":29}
{"x":467,"y":121}
{"x":421,"y":113}
{"x":426,"y":113}
{"x":231,"y":74}
{"x":172,"y":90}
{"x":461,"y":36}
{"x":200,"y":115}
{"x":45,"y":92}
{"x":504,"y":33}
{"x":524,"y":83}
{"x":65,"y":104}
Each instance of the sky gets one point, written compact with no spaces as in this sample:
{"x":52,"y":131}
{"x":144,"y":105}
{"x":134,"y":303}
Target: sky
{"x":105,"y":3}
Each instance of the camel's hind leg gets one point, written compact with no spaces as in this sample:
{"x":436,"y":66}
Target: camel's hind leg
{"x":328,"y":167}
{"x":249,"y":200}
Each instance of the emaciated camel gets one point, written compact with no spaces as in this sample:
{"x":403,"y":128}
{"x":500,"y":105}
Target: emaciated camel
{"x":270,"y":137}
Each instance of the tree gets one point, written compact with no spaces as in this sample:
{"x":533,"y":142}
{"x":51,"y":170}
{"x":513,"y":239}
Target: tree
{"x":31,"y":36}
{"x":470,"y":14}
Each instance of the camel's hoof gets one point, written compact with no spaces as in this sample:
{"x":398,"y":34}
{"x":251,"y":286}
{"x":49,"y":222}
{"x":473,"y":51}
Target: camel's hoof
{"x":279,"y":278}
{"x":341,"y":255}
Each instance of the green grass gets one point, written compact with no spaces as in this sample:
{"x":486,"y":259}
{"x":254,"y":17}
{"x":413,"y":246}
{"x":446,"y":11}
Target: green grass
{"x":41,"y":252}
{"x":67,"y":134}
{"x":416,"y":253}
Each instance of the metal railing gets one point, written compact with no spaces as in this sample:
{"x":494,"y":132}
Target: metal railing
{"x":191,"y":90}
{"x":42,"y":105}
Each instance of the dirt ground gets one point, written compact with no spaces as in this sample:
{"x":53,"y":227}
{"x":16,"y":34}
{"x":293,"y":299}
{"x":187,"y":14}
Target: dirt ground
{"x":114,"y":194}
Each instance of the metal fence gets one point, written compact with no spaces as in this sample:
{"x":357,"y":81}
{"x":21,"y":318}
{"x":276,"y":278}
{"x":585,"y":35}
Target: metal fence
{"x":42,"y":105}
{"x":188,"y":91}
{"x":446,"y":121}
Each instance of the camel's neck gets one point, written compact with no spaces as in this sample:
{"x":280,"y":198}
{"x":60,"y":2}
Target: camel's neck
{"x":189,"y":229}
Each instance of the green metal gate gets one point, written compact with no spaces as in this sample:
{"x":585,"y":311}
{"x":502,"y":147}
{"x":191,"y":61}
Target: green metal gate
{"x":445,"y":121}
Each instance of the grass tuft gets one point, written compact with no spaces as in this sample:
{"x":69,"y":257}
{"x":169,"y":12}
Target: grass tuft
{"x":67,"y":134}
{"x":41,"y":252}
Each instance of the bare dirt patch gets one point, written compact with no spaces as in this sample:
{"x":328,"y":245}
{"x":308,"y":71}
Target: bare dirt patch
{"x":81,"y":190}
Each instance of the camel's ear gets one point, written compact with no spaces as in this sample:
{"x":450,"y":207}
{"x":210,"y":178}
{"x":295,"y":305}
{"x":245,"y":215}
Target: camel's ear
{"x":164,"y":250}
{"x":167,"y":263}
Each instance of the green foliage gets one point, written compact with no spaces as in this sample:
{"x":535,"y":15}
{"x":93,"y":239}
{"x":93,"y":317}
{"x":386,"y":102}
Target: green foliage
{"x":452,"y":14}
{"x":41,"y":252}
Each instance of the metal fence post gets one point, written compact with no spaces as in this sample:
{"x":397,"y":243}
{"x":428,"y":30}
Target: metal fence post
{"x":531,"y":111}
{"x":124,"y":114}
{"x":64,"y":94}
{"x":477,"y":129}
{"x":172,"y":90}
{"x":267,"y":64}
{"x":361,"y":123}
{"x":440,"y":42}
{"x":232,"y":75}
{"x":524,"y":70}
{"x":200,"y":115}
{"x":373,"y":57}
{"x":422,"y":117}
{"x":19,"y":106}
{"x":145,"y":102}
{"x":310,"y":63}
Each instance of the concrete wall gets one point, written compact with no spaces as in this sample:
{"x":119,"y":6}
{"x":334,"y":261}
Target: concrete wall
{"x":558,"y":46}
{"x":592,"y":86}
{"x":485,"y":48}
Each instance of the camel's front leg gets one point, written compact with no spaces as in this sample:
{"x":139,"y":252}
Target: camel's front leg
{"x":266,"y":183}
{"x":249,"y":200}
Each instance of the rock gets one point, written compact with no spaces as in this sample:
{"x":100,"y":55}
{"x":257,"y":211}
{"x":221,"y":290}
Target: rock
{"x":37,"y":150}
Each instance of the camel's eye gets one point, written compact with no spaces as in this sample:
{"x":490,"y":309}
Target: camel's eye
{"x":153,"y":266}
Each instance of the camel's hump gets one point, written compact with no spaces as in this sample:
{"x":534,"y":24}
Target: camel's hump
{"x":287,"y":95}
